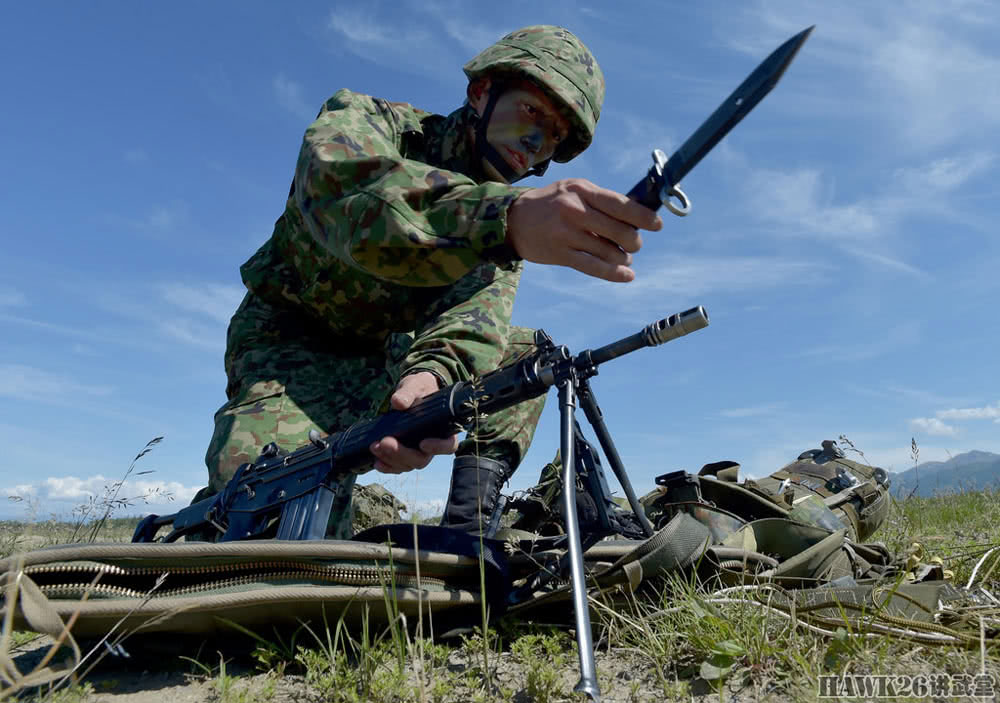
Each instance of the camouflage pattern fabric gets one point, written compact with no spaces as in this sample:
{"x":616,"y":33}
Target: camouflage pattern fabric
{"x":375,"y":505}
{"x":856,"y":493}
{"x":390,"y":257}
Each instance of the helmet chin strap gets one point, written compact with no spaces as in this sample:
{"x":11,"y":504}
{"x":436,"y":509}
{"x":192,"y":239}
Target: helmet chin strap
{"x":488,"y":151}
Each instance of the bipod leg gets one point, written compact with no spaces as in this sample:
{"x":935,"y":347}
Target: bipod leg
{"x":596,"y":419}
{"x":584,"y":639}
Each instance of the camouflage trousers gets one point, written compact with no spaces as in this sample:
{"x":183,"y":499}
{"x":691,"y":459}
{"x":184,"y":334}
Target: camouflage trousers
{"x":282,"y":386}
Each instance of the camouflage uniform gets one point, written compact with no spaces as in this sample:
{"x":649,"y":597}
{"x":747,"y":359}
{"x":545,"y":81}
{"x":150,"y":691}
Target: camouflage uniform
{"x":390,"y":258}
{"x":376,"y":268}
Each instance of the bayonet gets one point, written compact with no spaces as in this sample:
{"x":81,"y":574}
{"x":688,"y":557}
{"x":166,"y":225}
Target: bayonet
{"x":660,"y":186}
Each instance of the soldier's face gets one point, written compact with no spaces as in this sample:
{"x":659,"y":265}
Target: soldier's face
{"x":525,"y":129}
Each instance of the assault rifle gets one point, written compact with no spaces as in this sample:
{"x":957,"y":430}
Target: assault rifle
{"x":289,"y":495}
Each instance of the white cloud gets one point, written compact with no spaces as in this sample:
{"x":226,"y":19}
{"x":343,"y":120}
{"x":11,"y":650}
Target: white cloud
{"x":937,"y":427}
{"x":215,"y":300}
{"x":988,"y":412}
{"x":932,"y":426}
{"x":30,"y":383}
{"x":68,"y":492}
{"x":801,"y":200}
{"x":290,"y":97}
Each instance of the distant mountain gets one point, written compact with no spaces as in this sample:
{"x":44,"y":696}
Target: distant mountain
{"x":971,"y":471}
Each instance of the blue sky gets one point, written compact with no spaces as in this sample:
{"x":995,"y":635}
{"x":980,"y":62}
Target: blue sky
{"x":842,"y":238}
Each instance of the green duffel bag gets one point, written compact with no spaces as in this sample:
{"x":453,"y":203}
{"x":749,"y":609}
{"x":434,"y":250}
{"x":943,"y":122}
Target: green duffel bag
{"x":857,"y":493}
{"x":196,"y":587}
{"x":821,"y":487}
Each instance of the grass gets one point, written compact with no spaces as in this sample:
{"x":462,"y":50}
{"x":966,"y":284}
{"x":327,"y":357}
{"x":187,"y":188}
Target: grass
{"x":683,"y":642}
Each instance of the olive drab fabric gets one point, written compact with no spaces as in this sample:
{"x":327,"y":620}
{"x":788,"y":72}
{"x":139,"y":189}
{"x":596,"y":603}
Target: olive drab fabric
{"x":821,"y":487}
{"x":389,"y":258}
{"x":856,"y":493}
{"x":559,"y":63}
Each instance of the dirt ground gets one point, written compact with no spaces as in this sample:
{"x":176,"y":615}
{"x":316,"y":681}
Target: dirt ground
{"x":159,"y":674}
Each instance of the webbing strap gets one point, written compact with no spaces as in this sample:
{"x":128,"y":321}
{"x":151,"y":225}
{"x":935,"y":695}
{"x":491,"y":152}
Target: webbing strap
{"x":676,"y":546}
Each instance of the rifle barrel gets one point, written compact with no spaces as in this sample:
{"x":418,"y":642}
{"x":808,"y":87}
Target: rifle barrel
{"x":652,"y":335}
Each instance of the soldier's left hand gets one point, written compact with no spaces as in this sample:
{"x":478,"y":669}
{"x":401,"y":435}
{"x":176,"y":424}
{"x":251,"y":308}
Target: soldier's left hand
{"x":391,"y":456}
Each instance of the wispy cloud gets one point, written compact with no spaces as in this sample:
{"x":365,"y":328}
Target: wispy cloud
{"x":931,"y":62}
{"x":385,"y":37}
{"x":162,"y":217}
{"x":687,"y":276}
{"x":10,"y":298}
{"x":158,"y":220}
{"x":289,"y":95}
{"x":900,"y":336}
{"x":945,"y":83}
{"x":193,"y":333}
{"x":29,"y":383}
{"x":468,"y":32}
{"x":887,"y":262}
{"x":215,"y":300}
{"x":804,"y":204}
{"x":432,"y":39}
{"x":752,"y":411}
{"x":635,"y":138}
{"x":988,"y":412}
{"x":63,"y":330}
{"x":136,"y":156}
{"x":944,"y":174}
{"x":666,"y":281}
{"x":82,"y":349}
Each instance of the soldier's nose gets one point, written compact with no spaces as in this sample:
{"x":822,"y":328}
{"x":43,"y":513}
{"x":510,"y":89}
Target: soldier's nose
{"x":532,"y":141}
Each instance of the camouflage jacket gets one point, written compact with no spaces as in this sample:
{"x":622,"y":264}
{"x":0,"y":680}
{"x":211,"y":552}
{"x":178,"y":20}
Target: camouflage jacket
{"x":390,"y":226}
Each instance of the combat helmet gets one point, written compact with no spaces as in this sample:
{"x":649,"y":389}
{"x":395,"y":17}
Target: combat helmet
{"x":561,"y":65}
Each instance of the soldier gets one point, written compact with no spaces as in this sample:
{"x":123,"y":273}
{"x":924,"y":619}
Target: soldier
{"x":393,"y":269}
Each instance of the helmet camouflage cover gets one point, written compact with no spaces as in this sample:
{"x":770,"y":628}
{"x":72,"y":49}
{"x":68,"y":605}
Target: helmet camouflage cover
{"x":561,"y":65}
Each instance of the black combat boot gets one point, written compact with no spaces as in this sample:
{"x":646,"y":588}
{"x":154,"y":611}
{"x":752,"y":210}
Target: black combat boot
{"x":475,"y":488}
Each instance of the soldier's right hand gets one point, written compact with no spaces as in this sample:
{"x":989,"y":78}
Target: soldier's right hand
{"x":576,"y":223}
